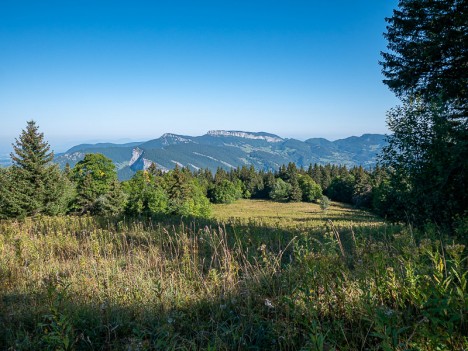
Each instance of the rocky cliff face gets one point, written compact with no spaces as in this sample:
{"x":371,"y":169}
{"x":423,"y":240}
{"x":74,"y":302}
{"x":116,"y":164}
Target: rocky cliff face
{"x":246,"y":135}
{"x":138,"y":162}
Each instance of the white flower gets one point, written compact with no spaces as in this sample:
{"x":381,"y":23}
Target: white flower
{"x":269,"y":304}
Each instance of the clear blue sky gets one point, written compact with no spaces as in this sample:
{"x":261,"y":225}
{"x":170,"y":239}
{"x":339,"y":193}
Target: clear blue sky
{"x":104,"y":71}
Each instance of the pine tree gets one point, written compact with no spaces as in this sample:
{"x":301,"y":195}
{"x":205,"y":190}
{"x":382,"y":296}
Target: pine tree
{"x":178,"y":187}
{"x":113,"y":203}
{"x":36,"y":185}
{"x":291,"y":171}
{"x":325,"y":177}
{"x":362,"y":190}
{"x":220,"y":175}
{"x":316,"y":174}
{"x":428,"y":52}
{"x":154,"y":170}
{"x":97,"y":187}
{"x":186,"y":197}
{"x":283,"y":173}
{"x":9,"y":206}
{"x":426,"y":66}
{"x":295,"y":192}
{"x":269,"y":181}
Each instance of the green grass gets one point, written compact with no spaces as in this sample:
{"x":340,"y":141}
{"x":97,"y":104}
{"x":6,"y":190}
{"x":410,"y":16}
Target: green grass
{"x":295,"y":215}
{"x":258,"y":276}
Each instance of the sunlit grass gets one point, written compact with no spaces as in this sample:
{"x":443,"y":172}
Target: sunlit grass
{"x":298,"y":215}
{"x":260,"y":275}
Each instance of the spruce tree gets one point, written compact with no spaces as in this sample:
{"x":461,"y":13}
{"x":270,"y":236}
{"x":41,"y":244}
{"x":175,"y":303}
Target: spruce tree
{"x":9,"y":206}
{"x":113,"y":203}
{"x":325,"y":177}
{"x":295,"y":192}
{"x":97,"y":187}
{"x":316,"y":174}
{"x":426,"y":66}
{"x":36,"y":186}
{"x":428,"y":52}
{"x":269,"y":181}
{"x":186,"y":196}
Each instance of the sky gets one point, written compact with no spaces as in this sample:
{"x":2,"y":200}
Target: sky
{"x":98,"y":71}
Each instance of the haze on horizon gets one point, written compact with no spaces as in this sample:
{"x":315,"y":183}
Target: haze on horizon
{"x":120,"y":71}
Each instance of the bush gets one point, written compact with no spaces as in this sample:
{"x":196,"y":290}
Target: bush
{"x":311,"y":191}
{"x":324,"y":203}
{"x":281,"y":191}
{"x":145,"y":195}
{"x":225,"y":192}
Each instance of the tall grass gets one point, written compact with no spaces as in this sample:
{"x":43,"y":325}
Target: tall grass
{"x":82,"y":283}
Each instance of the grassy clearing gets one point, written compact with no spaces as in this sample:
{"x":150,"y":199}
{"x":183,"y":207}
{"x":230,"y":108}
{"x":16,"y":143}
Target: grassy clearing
{"x":295,"y":215}
{"x":265,"y":283}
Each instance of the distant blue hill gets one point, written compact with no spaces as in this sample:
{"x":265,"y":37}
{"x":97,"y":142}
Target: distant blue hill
{"x":229,"y":149}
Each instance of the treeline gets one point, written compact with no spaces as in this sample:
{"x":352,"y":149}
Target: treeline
{"x":356,"y":186}
{"x":33,"y":185}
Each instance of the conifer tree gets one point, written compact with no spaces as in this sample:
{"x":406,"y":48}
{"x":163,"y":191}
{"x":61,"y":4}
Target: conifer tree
{"x":295,"y":192}
{"x":325,"y":177}
{"x":220,"y":175}
{"x":428,"y":52}
{"x":269,"y":184}
{"x":426,"y":66}
{"x":185,"y":195}
{"x":113,"y":203}
{"x":8,"y":206}
{"x":316,"y":174}
{"x":35,"y":185}
{"x":362,"y":191}
{"x":154,"y":170}
{"x":283,"y":173}
{"x":98,"y":191}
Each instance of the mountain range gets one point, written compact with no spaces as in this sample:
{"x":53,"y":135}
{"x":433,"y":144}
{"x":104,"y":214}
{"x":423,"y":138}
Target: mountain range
{"x":230,"y":149}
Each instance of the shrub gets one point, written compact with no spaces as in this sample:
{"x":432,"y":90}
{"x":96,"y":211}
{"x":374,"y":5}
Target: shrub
{"x":311,"y":191}
{"x":281,"y":190}
{"x":225,"y":192}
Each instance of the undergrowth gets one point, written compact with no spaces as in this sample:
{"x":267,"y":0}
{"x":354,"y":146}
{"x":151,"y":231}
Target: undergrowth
{"x":83,"y":283}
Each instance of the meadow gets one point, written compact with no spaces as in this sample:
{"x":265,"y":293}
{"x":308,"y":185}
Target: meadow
{"x":259,"y":275}
{"x":294,"y":215}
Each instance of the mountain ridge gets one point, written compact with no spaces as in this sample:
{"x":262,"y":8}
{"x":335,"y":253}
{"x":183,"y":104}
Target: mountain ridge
{"x":230,"y":149}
